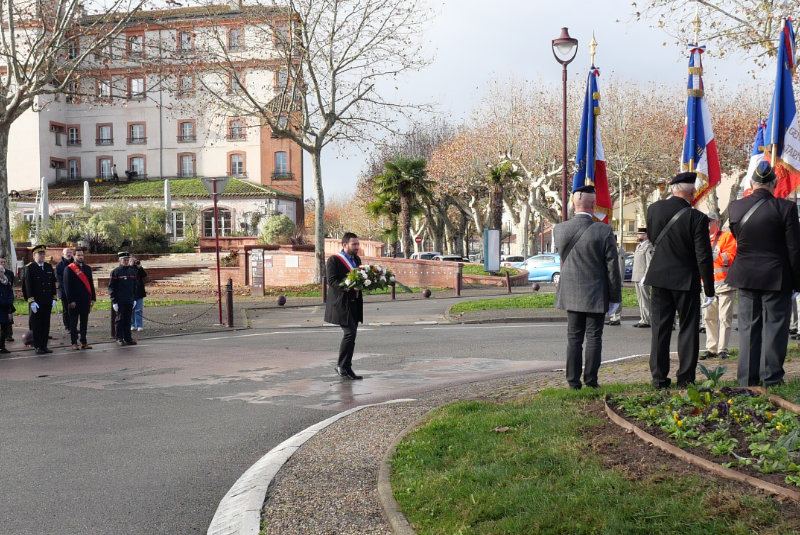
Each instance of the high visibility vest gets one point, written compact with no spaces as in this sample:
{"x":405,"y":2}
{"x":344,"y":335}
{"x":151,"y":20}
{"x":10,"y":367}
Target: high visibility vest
{"x":724,"y":253}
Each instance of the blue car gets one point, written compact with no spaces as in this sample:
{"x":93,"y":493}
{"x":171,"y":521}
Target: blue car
{"x":542,"y":267}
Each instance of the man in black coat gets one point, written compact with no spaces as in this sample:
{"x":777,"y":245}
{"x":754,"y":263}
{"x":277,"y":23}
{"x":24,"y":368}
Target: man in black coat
{"x":40,"y":288}
{"x":682,"y":256}
{"x":344,"y":307}
{"x":7,"y":329}
{"x":80,"y":296}
{"x":122,"y":291}
{"x":67,"y":256}
{"x":766,"y":270}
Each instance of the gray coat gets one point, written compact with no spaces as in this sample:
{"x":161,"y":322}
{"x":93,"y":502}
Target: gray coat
{"x":590,"y":276}
{"x":641,"y":260}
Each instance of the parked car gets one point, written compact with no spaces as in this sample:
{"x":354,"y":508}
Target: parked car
{"x":628,"y":267}
{"x":449,"y":258}
{"x":510,"y":260}
{"x":542,"y":267}
{"x":424,"y":255}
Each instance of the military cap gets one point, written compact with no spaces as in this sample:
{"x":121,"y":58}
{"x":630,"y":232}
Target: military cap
{"x":39,"y":249}
{"x":123,"y":254}
{"x":764,"y":173}
{"x":684,"y":178}
{"x":641,"y":230}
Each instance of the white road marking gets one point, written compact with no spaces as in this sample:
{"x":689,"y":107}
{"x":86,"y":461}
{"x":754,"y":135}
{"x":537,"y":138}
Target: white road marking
{"x":428,"y":322}
{"x":270,"y":333}
{"x":504,"y":326}
{"x":61,"y":353}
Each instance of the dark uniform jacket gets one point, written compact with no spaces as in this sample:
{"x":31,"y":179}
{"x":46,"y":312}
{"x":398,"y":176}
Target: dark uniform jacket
{"x":39,"y":284}
{"x":768,"y":253}
{"x":60,"y":267}
{"x":75,"y":291}
{"x":684,"y":254}
{"x":341,"y":303}
{"x":122,"y":285}
{"x":142,"y":276}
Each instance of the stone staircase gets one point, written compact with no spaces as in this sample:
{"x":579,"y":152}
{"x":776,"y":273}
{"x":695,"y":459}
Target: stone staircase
{"x":193,"y":276}
{"x":197,"y":281}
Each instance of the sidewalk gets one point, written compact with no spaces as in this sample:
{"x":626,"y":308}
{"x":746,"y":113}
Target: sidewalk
{"x":330,"y":484}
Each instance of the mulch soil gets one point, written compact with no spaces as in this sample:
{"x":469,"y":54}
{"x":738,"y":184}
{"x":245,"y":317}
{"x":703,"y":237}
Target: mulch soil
{"x":637,"y":460}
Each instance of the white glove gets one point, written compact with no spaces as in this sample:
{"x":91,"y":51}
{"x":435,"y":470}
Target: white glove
{"x":707,"y":301}
{"x":115,"y":306}
{"x":795,"y":294}
{"x":612,"y":307}
{"x":134,"y":304}
{"x":34,"y":307}
{"x":54,"y":303}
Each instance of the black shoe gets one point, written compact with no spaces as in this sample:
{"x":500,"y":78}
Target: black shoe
{"x":708,"y":355}
{"x":131,"y":342}
{"x":684,"y":384}
{"x":593,"y":385}
{"x":615,"y":322}
{"x":4,"y":350}
{"x":702,"y":329}
{"x":10,"y":339}
{"x":46,"y":350}
{"x":663,"y":385}
{"x":40,"y":351}
{"x":121,"y":342}
{"x":642,"y":325}
{"x":575,"y":387}
{"x":722,"y":355}
{"x":792,"y":331}
{"x":352,"y":375}
{"x":340,"y":371}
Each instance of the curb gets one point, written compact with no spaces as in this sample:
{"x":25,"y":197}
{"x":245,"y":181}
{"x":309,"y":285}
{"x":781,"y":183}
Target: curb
{"x":391,"y":509}
{"x":239,"y":512}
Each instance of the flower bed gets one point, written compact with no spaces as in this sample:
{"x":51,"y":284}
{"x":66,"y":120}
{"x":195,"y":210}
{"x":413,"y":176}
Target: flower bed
{"x":734,"y":427}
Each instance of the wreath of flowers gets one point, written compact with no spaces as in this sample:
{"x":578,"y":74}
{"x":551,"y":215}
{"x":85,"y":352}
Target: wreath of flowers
{"x":368,"y":277}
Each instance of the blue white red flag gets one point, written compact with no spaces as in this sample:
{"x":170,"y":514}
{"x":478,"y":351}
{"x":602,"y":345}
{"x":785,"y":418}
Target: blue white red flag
{"x":781,"y":137}
{"x":590,"y":161}
{"x":699,"y":147}
{"x":756,"y":156}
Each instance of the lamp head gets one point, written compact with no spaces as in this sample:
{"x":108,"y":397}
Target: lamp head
{"x":565,"y":47}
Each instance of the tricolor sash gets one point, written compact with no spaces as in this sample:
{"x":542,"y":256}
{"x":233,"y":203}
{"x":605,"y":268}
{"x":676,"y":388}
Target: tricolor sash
{"x":82,"y":276}
{"x":344,"y":257}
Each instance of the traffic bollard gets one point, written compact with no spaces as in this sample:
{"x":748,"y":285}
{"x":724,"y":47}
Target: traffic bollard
{"x":459,"y":281}
{"x":393,"y":288}
{"x":229,"y":301}
{"x":324,"y":289}
{"x":508,"y":282}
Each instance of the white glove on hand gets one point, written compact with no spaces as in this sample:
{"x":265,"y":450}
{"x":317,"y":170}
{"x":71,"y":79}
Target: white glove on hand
{"x":134,"y":304}
{"x":612,"y":307}
{"x":54,"y":303}
{"x":34,"y":307}
{"x":795,"y":294}
{"x":115,"y":307}
{"x":707,"y":301}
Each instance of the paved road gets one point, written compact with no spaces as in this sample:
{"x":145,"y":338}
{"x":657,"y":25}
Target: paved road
{"x":148,"y":439}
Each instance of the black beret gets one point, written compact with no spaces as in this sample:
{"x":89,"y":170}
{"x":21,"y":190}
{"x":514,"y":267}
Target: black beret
{"x":39,"y":248}
{"x":684,"y":178}
{"x":764,"y":173}
{"x":585,"y":189}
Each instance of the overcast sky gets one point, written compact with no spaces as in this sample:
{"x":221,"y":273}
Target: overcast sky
{"x":476,"y":41}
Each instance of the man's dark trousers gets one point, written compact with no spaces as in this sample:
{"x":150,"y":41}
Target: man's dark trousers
{"x":77,"y":315}
{"x":40,"y":325}
{"x":763,"y":339}
{"x":663,"y":306}
{"x":590,"y":325}
{"x":348,"y":344}
{"x":65,"y":312}
{"x":123,"y":322}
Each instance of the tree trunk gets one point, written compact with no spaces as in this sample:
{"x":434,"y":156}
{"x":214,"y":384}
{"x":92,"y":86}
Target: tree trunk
{"x":5,"y":218}
{"x":405,"y":224}
{"x":523,"y":226}
{"x":496,"y":205}
{"x":319,"y":216}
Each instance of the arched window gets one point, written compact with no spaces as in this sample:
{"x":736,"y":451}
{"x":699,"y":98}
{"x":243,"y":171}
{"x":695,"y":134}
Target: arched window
{"x":225,"y":218}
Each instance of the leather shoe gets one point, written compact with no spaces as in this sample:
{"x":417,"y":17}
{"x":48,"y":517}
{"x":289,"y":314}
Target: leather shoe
{"x":613,"y":323}
{"x":76,"y":347}
{"x":707,"y":355}
{"x":131,"y":342}
{"x":575,"y":387}
{"x":46,"y":350}
{"x":340,"y":371}
{"x":723,"y":354}
{"x":86,"y":346}
{"x":663,"y":385}
{"x":642,"y":325}
{"x":10,"y":339}
{"x":4,"y":350}
{"x":121,"y":342}
{"x":352,"y":375}
{"x":40,"y":351}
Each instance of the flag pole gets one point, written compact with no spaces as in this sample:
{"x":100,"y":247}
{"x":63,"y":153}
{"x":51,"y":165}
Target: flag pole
{"x":696,"y":23}
{"x":774,"y":150}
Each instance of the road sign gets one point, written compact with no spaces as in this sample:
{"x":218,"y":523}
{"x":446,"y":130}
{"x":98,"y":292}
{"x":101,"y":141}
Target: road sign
{"x":221,"y":182}
{"x":418,"y":239}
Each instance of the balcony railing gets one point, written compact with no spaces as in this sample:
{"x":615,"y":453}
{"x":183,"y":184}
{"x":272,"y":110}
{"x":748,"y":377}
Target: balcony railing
{"x":73,"y":142}
{"x":137,"y":140}
{"x":242,"y":174}
{"x":105,"y":141}
{"x":282,"y":175}
{"x":236,"y":136}
{"x":186,"y":138}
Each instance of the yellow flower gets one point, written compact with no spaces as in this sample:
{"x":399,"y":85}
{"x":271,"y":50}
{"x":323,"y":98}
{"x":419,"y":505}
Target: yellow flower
{"x":680,"y":423}
{"x":675,"y":416}
{"x":779,"y":427}
{"x":652,"y":411}
{"x":769,"y":415}
{"x":730,"y":402}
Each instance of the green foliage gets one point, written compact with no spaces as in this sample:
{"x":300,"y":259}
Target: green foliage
{"x":21,"y":230}
{"x":58,"y":230}
{"x":182,"y":246}
{"x":278,"y":229}
{"x":138,"y":228}
{"x":535,"y":300}
{"x":480,"y":468}
{"x":713,"y":376}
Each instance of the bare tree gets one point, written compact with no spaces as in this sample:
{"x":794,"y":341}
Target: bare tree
{"x":44,"y":47}
{"x":332,"y":59}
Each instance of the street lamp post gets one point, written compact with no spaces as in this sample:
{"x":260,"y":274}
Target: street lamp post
{"x":564,"y":50}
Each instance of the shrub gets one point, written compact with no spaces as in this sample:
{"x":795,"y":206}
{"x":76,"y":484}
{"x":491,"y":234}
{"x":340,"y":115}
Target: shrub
{"x":277,"y":229}
{"x":58,"y":231}
{"x":183,"y":246}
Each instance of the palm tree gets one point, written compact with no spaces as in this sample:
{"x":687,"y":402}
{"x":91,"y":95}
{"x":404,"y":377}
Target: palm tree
{"x":407,"y":181}
{"x":388,"y":206}
{"x":500,"y":176}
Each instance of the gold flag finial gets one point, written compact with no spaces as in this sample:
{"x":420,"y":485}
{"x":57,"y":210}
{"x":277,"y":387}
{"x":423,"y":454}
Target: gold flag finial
{"x":592,"y":48}
{"x":697,"y":25}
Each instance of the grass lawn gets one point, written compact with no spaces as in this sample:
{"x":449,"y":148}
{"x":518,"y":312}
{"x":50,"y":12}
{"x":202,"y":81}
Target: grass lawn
{"x":105,"y":304}
{"x":534,"y":300}
{"x":484,"y":468}
{"x":313,"y":290}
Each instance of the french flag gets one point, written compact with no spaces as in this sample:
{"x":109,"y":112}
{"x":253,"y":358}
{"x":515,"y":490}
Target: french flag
{"x":781,"y":136}
{"x":590,"y":162}
{"x":699,"y":147}
{"x":756,"y":156}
